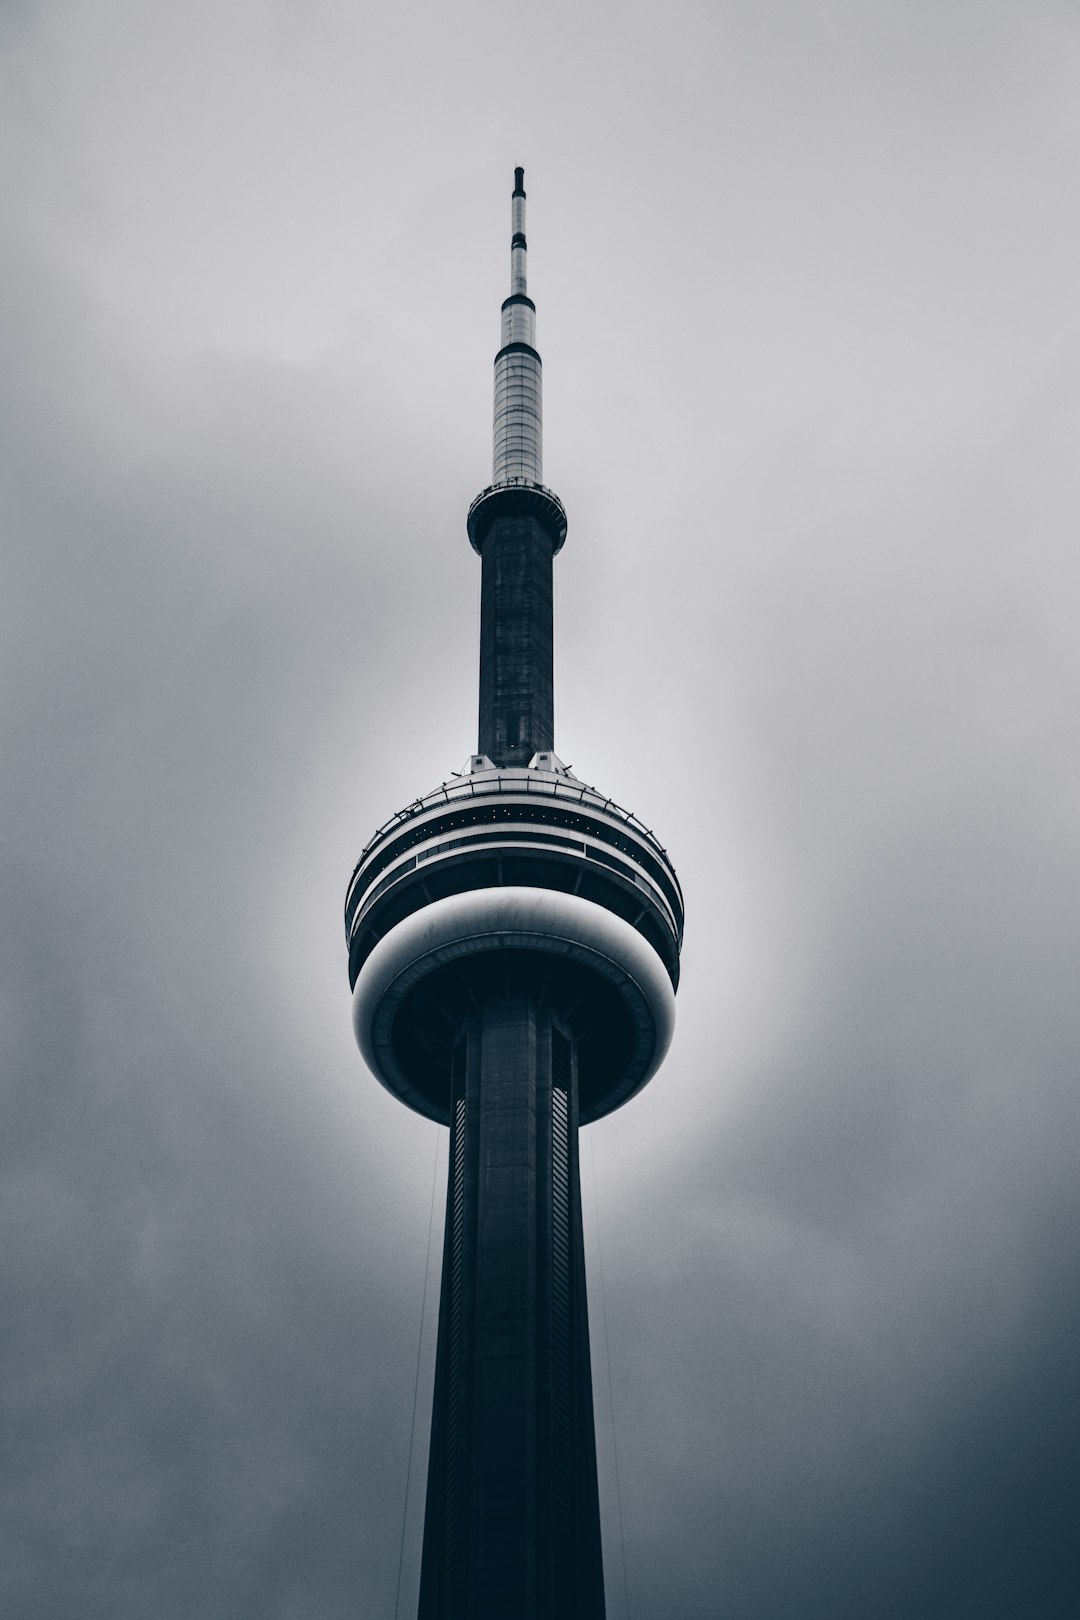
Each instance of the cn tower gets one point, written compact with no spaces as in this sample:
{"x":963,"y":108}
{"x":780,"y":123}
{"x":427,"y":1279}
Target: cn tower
{"x":514,"y":944}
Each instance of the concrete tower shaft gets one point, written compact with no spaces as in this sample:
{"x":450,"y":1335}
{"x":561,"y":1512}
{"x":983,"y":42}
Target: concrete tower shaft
{"x":514,"y":941}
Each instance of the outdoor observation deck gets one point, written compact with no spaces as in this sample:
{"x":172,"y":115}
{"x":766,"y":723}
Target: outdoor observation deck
{"x":426,"y":893}
{"x":529,"y":827}
{"x":517,"y":497}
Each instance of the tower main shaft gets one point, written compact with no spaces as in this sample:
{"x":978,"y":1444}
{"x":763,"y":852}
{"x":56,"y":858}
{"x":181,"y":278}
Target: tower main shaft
{"x":512,"y":1524}
{"x":514,"y":945}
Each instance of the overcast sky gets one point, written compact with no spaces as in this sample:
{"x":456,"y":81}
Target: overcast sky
{"x":807,"y":278}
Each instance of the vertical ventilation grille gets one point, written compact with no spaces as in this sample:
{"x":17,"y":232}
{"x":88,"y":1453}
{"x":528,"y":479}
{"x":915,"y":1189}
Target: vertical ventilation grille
{"x":561,"y":1338}
{"x":456,"y":1234}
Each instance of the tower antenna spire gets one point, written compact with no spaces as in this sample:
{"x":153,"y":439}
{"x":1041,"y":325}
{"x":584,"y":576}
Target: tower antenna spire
{"x":518,"y":244}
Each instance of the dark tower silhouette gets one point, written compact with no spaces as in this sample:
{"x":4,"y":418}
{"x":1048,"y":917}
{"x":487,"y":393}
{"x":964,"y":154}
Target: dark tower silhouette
{"x":514,"y":949}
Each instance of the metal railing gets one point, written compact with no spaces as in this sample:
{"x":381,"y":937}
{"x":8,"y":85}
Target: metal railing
{"x":527,"y":782}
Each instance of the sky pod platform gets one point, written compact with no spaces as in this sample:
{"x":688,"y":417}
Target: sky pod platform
{"x":499,"y":872}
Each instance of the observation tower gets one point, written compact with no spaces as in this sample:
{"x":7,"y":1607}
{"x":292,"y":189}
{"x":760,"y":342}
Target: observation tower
{"x":514,"y":944}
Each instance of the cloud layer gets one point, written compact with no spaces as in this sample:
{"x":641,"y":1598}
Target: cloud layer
{"x":806,"y":287}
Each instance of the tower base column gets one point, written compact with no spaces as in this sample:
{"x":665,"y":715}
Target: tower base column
{"x":512,"y":1525}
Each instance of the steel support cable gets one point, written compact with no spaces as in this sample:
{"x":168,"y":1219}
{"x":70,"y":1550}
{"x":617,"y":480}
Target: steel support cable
{"x":611,"y":1387}
{"x":416,"y":1380}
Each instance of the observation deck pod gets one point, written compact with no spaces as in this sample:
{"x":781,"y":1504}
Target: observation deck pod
{"x":517,"y":497}
{"x":517,"y":877}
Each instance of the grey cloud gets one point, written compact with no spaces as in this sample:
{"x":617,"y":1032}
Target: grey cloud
{"x":812,"y":406}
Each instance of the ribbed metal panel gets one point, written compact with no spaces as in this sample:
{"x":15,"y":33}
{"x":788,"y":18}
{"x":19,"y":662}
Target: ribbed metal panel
{"x":518,"y":324}
{"x":518,"y":419}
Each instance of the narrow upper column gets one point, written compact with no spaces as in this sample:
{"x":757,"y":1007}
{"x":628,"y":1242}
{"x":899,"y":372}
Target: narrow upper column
{"x":517,"y":526}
